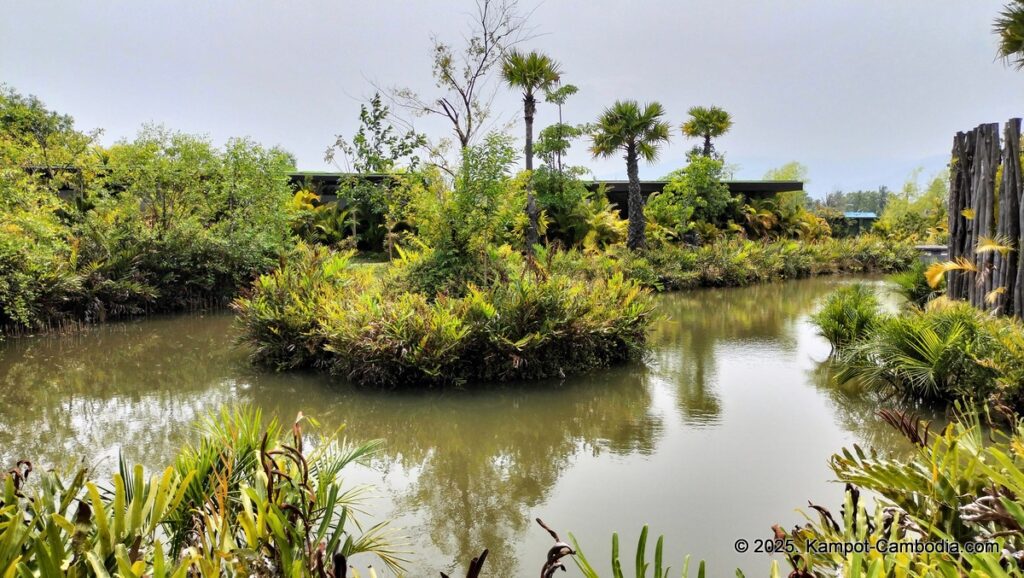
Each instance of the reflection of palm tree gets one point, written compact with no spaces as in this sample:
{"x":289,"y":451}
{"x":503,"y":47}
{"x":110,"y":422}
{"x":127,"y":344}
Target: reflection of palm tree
{"x":684,"y":344}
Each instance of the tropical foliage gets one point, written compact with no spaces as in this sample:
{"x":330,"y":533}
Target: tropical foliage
{"x":526,"y":322}
{"x":532,"y":73}
{"x":1009,"y":27}
{"x":740,"y":262}
{"x":958,"y":487}
{"x":847,"y":315}
{"x":244,"y":500}
{"x":944,"y":352}
{"x":914,"y":284}
{"x":707,"y":123}
{"x":916,"y":213}
{"x":638,"y":132}
{"x":158,"y":223}
{"x":693,"y":197}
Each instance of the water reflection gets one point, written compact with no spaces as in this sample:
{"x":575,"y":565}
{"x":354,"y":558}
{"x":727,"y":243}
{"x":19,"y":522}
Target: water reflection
{"x":697,"y":325}
{"x":464,"y":470}
{"x":855,"y":408}
{"x":482,"y":459}
{"x":137,"y":385}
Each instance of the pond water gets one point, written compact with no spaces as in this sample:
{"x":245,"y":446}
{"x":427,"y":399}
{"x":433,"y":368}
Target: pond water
{"x":725,"y":430}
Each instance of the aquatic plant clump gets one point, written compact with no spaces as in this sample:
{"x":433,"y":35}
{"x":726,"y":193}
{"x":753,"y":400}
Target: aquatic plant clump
{"x":317,"y":310}
{"x":847,"y":315}
{"x":945,"y":352}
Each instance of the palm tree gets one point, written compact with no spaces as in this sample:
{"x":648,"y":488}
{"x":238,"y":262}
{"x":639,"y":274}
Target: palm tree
{"x":531,"y":73}
{"x":638,"y":132}
{"x":1009,"y":26}
{"x":707,"y":123}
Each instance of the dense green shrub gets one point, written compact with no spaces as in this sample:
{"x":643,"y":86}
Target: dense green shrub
{"x":575,"y":216}
{"x":281,"y":315}
{"x":457,"y":226}
{"x":318,"y":310}
{"x":160,"y":223}
{"x":698,"y":190}
{"x":847,"y":315}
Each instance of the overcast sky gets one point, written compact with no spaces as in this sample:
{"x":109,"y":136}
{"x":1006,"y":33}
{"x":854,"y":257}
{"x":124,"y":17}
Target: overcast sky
{"x":862,"y":92}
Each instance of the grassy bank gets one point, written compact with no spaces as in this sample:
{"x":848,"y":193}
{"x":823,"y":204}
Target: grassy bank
{"x":741,"y":262}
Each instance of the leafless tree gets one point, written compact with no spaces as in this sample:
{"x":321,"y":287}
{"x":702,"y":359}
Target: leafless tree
{"x":463,"y":75}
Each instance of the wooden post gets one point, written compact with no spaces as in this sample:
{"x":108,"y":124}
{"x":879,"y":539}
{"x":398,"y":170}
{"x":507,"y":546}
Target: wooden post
{"x":959,"y":199}
{"x":976,"y":209}
{"x":1009,"y":229}
{"x":988,"y":226}
{"x":996,"y":211}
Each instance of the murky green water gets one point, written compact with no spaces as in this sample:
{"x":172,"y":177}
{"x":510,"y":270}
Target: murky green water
{"x":725,"y":430}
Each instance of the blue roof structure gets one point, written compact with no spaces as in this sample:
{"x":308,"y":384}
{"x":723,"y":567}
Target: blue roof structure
{"x":860,"y":215}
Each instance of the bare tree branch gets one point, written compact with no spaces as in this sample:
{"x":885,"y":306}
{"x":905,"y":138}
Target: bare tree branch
{"x":463,"y":75}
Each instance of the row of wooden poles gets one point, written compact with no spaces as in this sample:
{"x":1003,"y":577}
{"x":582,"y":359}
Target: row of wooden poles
{"x":985,"y":203}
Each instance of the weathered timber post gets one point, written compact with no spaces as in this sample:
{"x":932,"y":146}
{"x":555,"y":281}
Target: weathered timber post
{"x":975,"y":207}
{"x":1009,"y":228}
{"x":959,"y":199}
{"x":987,"y":220}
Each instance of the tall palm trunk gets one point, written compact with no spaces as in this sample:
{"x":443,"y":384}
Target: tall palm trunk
{"x":707,"y":145}
{"x":532,"y":212}
{"x":637,"y":223}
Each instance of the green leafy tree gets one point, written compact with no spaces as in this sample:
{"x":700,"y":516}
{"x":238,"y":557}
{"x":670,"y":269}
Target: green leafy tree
{"x":701,"y":187}
{"x":531,"y":72}
{"x":638,"y":132}
{"x":378,"y":147}
{"x":917,"y":214}
{"x":791,"y":171}
{"x":555,"y":140}
{"x":1009,"y":27}
{"x":707,"y":123}
{"x":46,"y":142}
